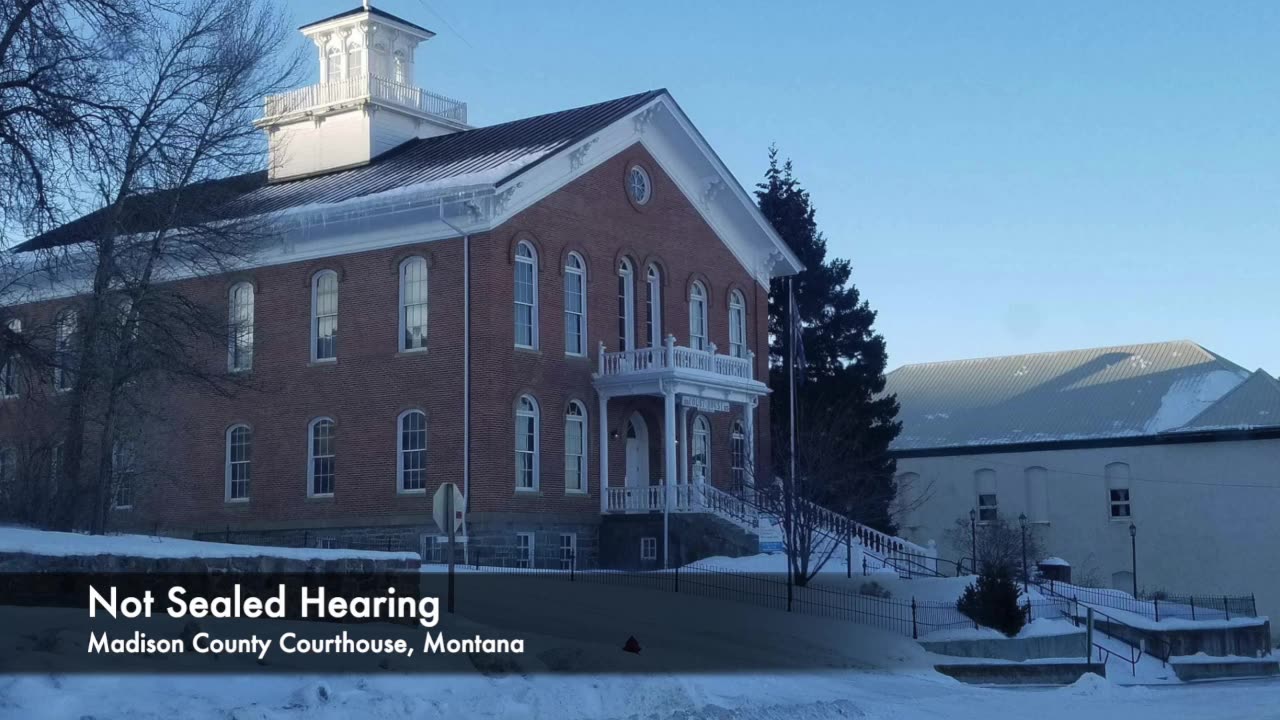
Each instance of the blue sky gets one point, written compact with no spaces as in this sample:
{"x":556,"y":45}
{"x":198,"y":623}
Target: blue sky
{"x":1006,"y":177}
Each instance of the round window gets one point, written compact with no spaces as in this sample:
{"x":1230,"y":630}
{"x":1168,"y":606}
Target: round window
{"x":638,"y":185}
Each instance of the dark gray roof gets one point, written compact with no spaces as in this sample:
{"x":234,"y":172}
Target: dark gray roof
{"x":1255,"y":403}
{"x":371,"y":11}
{"x":489,"y":155}
{"x":1100,"y":393}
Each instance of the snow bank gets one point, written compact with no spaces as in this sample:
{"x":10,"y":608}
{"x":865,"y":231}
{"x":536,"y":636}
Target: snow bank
{"x":62,"y":544}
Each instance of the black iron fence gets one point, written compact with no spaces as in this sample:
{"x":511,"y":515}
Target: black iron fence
{"x":857,"y":600}
{"x":1158,"y":606}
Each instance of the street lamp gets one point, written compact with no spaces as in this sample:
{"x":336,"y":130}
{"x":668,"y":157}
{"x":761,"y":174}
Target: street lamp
{"x":1133,"y":549}
{"x":1022,"y":520}
{"x":973,"y":539}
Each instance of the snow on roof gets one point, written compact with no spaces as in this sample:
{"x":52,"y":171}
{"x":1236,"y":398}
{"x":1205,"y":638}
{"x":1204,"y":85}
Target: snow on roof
{"x":1253,"y":403}
{"x":1099,"y":393}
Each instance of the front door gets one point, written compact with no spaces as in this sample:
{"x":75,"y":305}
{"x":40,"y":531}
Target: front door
{"x":637,"y":480}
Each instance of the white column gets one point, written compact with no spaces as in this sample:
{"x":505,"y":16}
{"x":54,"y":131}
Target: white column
{"x":684,"y":446}
{"x":669,"y":455}
{"x":749,"y":428}
{"x":604,"y":452}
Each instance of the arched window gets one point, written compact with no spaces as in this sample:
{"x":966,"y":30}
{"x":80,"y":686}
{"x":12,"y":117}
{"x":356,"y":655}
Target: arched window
{"x":9,"y":372}
{"x":333,"y":65}
{"x":240,"y":326}
{"x":737,"y":325}
{"x":401,"y":69}
{"x":239,"y":459}
{"x":526,"y":296}
{"x":575,"y":448}
{"x":64,"y":341}
{"x":985,"y":484}
{"x":653,"y":306}
{"x":413,"y":304}
{"x":701,"y":449}
{"x":626,"y":305}
{"x":324,"y":316}
{"x":355,"y":61}
{"x":1037,"y":494}
{"x":1119,"y":501}
{"x":322,"y":468}
{"x":738,"y":455}
{"x":698,"y":317}
{"x":527,"y":443}
{"x":411,"y":452}
{"x":575,"y":305}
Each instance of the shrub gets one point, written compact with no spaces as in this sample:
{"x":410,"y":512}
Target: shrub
{"x":875,"y":589}
{"x":992,"y":600}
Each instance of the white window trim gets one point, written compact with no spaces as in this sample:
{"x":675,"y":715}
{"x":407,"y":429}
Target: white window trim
{"x":536,"y":415}
{"x":400,"y":451}
{"x":648,"y":548}
{"x":698,"y":313}
{"x":311,"y":459}
{"x":738,"y":435}
{"x":234,"y":324}
{"x":404,"y":308}
{"x":632,"y":172}
{"x":701,"y":427}
{"x":1115,"y":482}
{"x":626,"y":271}
{"x":572,"y":561}
{"x":581,"y":272}
{"x":226,"y":497}
{"x":530,"y":561}
{"x":653,"y":304}
{"x":315,"y":315}
{"x":737,"y":324}
{"x":532,"y":262}
{"x":583,"y":460}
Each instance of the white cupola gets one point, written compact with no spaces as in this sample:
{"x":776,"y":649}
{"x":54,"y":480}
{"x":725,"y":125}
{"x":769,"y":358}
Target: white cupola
{"x":365,"y":103}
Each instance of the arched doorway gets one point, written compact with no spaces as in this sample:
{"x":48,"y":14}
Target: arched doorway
{"x":637,"y":474}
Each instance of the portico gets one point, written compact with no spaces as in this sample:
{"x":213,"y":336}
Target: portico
{"x":692,"y":384}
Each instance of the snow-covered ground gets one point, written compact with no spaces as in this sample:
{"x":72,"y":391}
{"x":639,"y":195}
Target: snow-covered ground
{"x":44,"y":542}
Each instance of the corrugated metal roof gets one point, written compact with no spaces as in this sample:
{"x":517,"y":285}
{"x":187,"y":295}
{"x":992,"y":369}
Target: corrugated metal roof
{"x":1255,"y":403}
{"x":492,"y":154}
{"x":1124,"y":391}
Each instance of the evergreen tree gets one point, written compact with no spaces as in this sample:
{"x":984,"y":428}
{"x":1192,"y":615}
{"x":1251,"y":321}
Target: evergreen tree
{"x":844,"y":357}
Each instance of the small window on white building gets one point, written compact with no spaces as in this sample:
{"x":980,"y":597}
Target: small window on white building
{"x":575,"y":448}
{"x":322,"y":466}
{"x":355,"y":61}
{"x":1120,"y":503}
{"x":575,"y":305}
{"x":737,"y":325}
{"x":401,"y":68}
{"x":1037,"y":494}
{"x":240,"y":328}
{"x":626,"y":305}
{"x":698,"y":317}
{"x":239,"y":458}
{"x":411,"y":452}
{"x":985,"y":481}
{"x":526,"y":296}
{"x":324,"y":316}
{"x":648,"y":548}
{"x":524,"y":550}
{"x":527,"y":442}
{"x":333,"y":65}
{"x":568,"y":550}
{"x":9,"y":372}
{"x":413,"y":304}
{"x":653,"y":306}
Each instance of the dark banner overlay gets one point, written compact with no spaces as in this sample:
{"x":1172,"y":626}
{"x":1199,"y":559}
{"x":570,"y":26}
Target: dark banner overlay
{"x":503,"y":623}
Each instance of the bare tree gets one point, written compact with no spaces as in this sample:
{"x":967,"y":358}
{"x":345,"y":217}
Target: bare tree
{"x":998,"y":544}
{"x":171,"y":165}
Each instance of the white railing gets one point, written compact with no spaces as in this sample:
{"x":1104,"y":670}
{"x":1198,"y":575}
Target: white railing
{"x":370,"y":86}
{"x":651,"y":498}
{"x":671,"y":357}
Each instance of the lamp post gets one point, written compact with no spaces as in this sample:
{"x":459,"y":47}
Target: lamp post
{"x":973,"y":539}
{"x":1022,"y":520}
{"x":1133,"y":550}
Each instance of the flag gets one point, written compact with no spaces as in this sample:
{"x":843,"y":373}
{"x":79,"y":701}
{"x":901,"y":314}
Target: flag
{"x":797,"y":339}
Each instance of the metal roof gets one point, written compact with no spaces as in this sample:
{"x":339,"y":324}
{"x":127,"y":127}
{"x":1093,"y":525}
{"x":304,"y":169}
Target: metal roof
{"x":372,"y":11}
{"x":489,"y":155}
{"x":1123,"y":391}
{"x":1254,"y":403}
